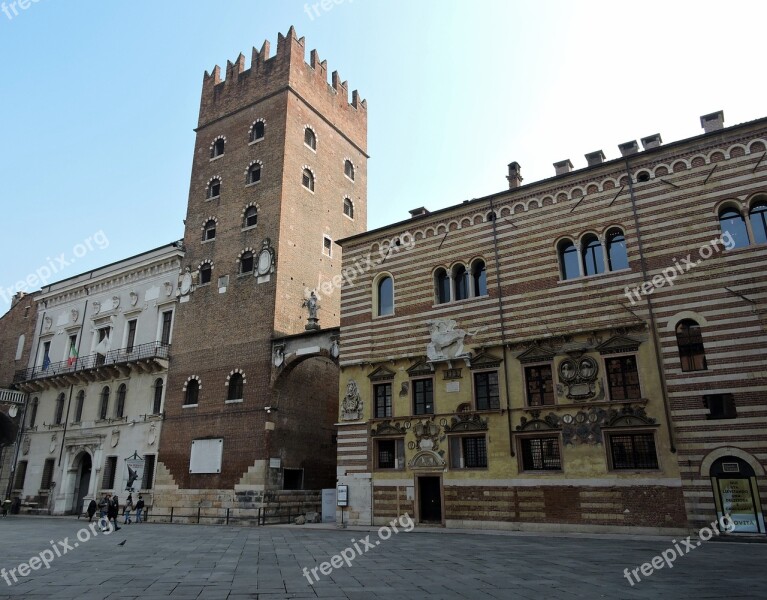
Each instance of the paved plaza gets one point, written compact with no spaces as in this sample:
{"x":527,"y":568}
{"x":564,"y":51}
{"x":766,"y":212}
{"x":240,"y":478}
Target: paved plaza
{"x":152,"y":561}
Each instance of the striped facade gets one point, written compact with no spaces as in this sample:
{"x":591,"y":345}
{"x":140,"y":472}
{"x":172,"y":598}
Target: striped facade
{"x":663,"y":205}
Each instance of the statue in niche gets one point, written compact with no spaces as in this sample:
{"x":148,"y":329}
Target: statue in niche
{"x":352,"y":403}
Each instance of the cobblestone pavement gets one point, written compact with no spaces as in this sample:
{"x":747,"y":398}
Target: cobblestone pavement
{"x":238,"y":563}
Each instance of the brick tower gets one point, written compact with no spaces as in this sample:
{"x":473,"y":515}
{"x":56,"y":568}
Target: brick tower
{"x":279,"y":172}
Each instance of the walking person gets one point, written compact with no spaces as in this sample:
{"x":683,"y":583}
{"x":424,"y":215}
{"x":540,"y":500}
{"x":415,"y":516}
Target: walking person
{"x":113,"y":511}
{"x":103,"y":511}
{"x":127,"y":509}
{"x":139,"y":508}
{"x":91,"y":509}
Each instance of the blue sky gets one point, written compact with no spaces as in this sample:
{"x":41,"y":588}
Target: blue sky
{"x":99,"y":100}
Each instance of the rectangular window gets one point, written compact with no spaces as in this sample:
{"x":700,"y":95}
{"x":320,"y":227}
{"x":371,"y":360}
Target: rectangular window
{"x":390,"y":454}
{"x":110,"y":469}
{"x":423,"y":397}
{"x":468,"y":452}
{"x":383,"y":400}
{"x":71,"y":350}
{"x":131,"y":335}
{"x":486,"y":391}
{"x":623,"y":378}
{"x":46,"y":353}
{"x":327,"y":246}
{"x":47,"y":480}
{"x":148,"y":479}
{"x":632,"y":451}
{"x":21,"y":475}
{"x":541,"y":454}
{"x":167,"y":319}
{"x":540,"y":385}
{"x":720,"y":406}
{"x":102,"y":347}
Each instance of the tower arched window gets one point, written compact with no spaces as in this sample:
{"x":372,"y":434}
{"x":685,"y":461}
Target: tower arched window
{"x":758,"y":217}
{"x":257,"y":131}
{"x":104,"y":404}
{"x":235,"y":387}
{"x":120,"y":408}
{"x":349,"y":169}
{"x":254,"y":173}
{"x":192,"y":392}
{"x":209,"y":230}
{"x":568,"y":259}
{"x":442,"y":285}
{"x":310,"y":139}
{"x":79,"y":406}
{"x":690,"y":342}
{"x":157,"y":399}
{"x":348,"y":208}
{"x":617,"y":257}
{"x":385,"y":293}
{"x":206,"y":271}
{"x":218,"y":148}
{"x":460,"y":283}
{"x":593,"y":257}
{"x":59,"y":416}
{"x":246,"y":262}
{"x":308,"y":180}
{"x":214,"y":188}
{"x":478,"y":278}
{"x":733,"y":226}
{"x":33,"y":411}
{"x":250,"y":218}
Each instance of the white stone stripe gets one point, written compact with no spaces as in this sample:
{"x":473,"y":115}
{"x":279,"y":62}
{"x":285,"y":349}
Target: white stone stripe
{"x":511,"y":483}
{"x":351,"y":449}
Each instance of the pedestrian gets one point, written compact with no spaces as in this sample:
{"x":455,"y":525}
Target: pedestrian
{"x":91,"y":509}
{"x":139,"y":508}
{"x":127,"y":509}
{"x":113,"y":511}
{"x":6,"y":507}
{"x":103,"y":510}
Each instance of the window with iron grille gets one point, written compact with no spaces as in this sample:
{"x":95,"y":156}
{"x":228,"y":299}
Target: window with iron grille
{"x":349,"y":169}
{"x":383,"y":400}
{"x":390,"y":454}
{"x":541,"y":454}
{"x":623,"y":378}
{"x":348,"y":208}
{"x":423,"y":397}
{"x":310,"y":139}
{"x":21,"y":475}
{"x":692,"y":355}
{"x":110,"y":469}
{"x":308,"y":180}
{"x":148,"y":479}
{"x":47,"y":480}
{"x":633,"y":451}
{"x":540,"y":385}
{"x":468,"y":452}
{"x":720,"y":406}
{"x":486,"y":391}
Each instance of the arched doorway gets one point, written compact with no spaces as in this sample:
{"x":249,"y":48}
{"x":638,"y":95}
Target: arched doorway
{"x":82,"y":481}
{"x":736,"y":494}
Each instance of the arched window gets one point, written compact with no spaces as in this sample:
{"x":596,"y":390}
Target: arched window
{"x":59,"y":416}
{"x":205,"y":273}
{"x":758,"y":218}
{"x":157,"y":400}
{"x":250,"y":218}
{"x":308,"y":180}
{"x":349,"y":169}
{"x":348,"y":208}
{"x":209,"y":231}
{"x":120,"y":408}
{"x":218,"y":148}
{"x":192,"y":392}
{"x":442,"y":285}
{"x":235,"y":387}
{"x":460,"y":283}
{"x":593,"y":257}
{"x":690,"y":342}
{"x":79,"y":406}
{"x":257,"y":131}
{"x":385,"y":296}
{"x":254,"y":173}
{"x":310,"y":139}
{"x":104,"y":406}
{"x":733,"y":225}
{"x":478,"y":278}
{"x":214,"y":188}
{"x":568,"y":259}
{"x":616,"y":250}
{"x":246,"y":262}
{"x":33,"y":412}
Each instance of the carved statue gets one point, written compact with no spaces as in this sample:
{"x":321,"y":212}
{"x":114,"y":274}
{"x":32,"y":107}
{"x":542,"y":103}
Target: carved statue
{"x":352,"y":403}
{"x":446,"y":341}
{"x":311,"y":304}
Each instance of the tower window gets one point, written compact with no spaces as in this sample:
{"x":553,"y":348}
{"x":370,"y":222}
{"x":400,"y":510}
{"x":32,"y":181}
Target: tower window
{"x":310,"y":139}
{"x":349,"y":169}
{"x":209,"y":231}
{"x":254,"y":173}
{"x":205,"y":273}
{"x":214,"y":188}
{"x":192,"y":392}
{"x":235,"y":387}
{"x":327,"y":246}
{"x":308,"y":180}
{"x":218,"y":148}
{"x":348,"y":208}
{"x":251,"y":217}
{"x":246,"y":262}
{"x":257,"y":131}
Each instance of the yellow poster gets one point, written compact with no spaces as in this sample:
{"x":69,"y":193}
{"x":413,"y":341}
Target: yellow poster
{"x":739,"y":504}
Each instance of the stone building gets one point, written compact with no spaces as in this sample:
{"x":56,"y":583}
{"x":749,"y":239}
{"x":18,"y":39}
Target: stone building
{"x":579,"y":352}
{"x":278,"y":174}
{"x":96,"y":379}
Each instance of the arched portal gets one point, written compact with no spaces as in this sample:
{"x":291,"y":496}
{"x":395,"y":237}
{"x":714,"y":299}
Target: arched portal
{"x":84,"y":466}
{"x":736,"y":494}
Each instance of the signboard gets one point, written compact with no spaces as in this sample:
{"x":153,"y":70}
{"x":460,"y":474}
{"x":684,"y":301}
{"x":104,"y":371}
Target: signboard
{"x":342,"y":492}
{"x":206,"y":456}
{"x":738,"y":502}
{"x":134,"y":472}
{"x":329,"y":505}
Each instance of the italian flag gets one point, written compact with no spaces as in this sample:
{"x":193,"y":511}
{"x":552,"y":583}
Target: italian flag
{"x":72,"y":355}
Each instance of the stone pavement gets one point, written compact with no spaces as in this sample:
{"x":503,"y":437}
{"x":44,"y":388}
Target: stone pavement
{"x":238,"y":563}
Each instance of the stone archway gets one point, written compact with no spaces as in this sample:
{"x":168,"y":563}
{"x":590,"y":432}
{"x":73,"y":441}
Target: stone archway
{"x":83,"y":467}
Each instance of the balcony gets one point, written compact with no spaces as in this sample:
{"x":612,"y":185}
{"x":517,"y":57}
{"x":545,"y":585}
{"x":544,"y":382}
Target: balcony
{"x":146,"y":358}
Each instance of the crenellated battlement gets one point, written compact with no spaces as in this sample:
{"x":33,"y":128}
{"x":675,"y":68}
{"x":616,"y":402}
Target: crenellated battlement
{"x":268,"y":74}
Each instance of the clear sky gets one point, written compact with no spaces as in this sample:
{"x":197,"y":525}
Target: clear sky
{"x":99,"y":99}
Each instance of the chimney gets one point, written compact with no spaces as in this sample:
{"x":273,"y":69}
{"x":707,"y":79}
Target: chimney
{"x":595,"y":158}
{"x":712,"y":122}
{"x":563,"y":166}
{"x":418,"y":212}
{"x":515,"y":175}
{"x":651,"y":141}
{"x":628,"y":148}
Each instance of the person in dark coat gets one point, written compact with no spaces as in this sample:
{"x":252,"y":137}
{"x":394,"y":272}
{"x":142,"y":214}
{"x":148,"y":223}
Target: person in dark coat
{"x":113,"y":510}
{"x":91,"y":510}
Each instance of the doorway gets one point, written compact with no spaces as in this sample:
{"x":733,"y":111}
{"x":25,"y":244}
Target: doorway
{"x":430,"y":500}
{"x":82,"y":482}
{"x":736,"y":494}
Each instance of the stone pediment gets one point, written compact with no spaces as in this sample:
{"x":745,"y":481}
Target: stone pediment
{"x":466,"y":422}
{"x":548,"y":423}
{"x":387,"y":428}
{"x":427,"y":460}
{"x":483,"y":360}
{"x":618,"y":343}
{"x":381,"y":374}
{"x":536,"y":354}
{"x":420,"y":368}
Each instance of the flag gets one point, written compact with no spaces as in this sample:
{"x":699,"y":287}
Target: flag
{"x":103,"y":346}
{"x":46,"y":362}
{"x":72,"y":355}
